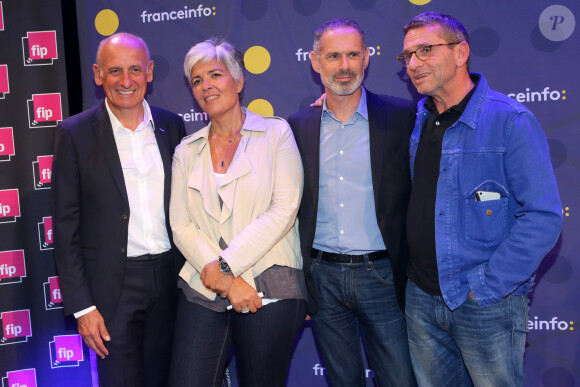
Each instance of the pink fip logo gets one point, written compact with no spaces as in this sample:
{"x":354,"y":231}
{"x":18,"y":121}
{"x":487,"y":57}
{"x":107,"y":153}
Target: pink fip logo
{"x":44,"y":110}
{"x":22,"y":378}
{"x":39,"y":48}
{"x":9,"y":205}
{"x":6,"y":144}
{"x":4,"y":85}
{"x":12,"y":267}
{"x":15,"y":326}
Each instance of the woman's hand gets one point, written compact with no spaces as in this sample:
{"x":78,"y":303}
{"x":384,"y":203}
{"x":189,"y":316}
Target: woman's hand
{"x":242,"y":296}
{"x":216,"y":281}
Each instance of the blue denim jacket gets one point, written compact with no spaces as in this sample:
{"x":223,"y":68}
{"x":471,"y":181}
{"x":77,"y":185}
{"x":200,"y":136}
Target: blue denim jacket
{"x":492,"y":248}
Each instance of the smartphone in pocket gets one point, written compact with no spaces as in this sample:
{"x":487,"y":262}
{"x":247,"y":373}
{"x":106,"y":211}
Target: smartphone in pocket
{"x":484,"y":196}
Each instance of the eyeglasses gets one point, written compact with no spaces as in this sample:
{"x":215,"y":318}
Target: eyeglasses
{"x":422,"y":53}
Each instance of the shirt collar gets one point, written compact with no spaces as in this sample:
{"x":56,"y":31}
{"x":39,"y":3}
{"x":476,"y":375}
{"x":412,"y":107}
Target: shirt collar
{"x":361,"y":109}
{"x":118,"y":126}
{"x":459,"y":108}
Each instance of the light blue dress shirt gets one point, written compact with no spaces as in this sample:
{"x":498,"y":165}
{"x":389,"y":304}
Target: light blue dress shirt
{"x":346,"y":221}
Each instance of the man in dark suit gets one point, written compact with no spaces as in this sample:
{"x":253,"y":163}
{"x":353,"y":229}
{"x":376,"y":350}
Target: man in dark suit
{"x":113,"y":247}
{"x":352,"y":216}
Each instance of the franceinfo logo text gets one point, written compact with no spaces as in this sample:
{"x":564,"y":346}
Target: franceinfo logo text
{"x":553,"y":324}
{"x":303,"y":55}
{"x":547,"y":94}
{"x":178,"y":14}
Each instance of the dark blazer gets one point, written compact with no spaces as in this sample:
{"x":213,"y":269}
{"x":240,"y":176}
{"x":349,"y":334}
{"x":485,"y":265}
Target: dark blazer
{"x":91,"y":208}
{"x":390,"y":124}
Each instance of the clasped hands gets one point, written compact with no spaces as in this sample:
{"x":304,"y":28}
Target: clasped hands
{"x":241,"y":295}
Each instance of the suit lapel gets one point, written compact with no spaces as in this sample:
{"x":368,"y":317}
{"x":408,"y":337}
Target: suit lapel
{"x":166,"y":152}
{"x":104,"y":133}
{"x":377,"y":136}
{"x":311,"y":151}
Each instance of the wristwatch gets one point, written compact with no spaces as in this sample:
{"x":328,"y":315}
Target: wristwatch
{"x":224,"y":267}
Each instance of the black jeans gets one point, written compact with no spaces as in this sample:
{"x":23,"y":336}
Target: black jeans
{"x":263,"y":343}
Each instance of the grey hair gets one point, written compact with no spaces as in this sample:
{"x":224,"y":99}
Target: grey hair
{"x":333,"y":25}
{"x":123,"y":35}
{"x":215,"y":48}
{"x":453,"y":30}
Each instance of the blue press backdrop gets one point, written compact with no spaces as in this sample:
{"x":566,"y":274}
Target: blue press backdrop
{"x":526,"y":49}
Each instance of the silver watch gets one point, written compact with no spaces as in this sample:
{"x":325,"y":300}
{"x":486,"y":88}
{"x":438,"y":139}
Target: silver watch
{"x":224,"y":267}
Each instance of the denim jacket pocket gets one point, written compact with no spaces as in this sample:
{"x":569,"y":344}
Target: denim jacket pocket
{"x":486,"y":222}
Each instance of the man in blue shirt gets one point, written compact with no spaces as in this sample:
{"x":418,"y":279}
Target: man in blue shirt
{"x":484,"y":211}
{"x":352,"y":217}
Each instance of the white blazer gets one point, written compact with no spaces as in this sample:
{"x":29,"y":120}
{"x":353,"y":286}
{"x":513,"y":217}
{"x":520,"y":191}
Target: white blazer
{"x":261,"y":194}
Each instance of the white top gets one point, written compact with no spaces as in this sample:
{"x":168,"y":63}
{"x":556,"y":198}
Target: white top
{"x":219,"y":179}
{"x":144,"y":181}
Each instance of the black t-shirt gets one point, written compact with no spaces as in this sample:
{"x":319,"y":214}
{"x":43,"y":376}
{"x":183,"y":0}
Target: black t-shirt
{"x":422,"y":268}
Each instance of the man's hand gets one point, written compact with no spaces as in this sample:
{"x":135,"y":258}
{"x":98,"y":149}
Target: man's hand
{"x":92,"y":328}
{"x":319,"y":101}
{"x":213,"y":279}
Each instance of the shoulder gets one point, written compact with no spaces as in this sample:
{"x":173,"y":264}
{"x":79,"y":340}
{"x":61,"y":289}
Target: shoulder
{"x":83,"y":118}
{"x":502,"y":101}
{"x":305,"y":115}
{"x":275,"y":123}
{"x":194,"y":138}
{"x":163,"y":114}
{"x":494,"y":101}
{"x":389,"y":101}
{"x":272,"y":127}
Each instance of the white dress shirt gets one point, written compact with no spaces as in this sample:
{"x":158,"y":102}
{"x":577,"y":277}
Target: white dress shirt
{"x":144,"y":181}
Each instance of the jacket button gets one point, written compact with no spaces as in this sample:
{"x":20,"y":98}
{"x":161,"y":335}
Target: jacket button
{"x":488,"y":212}
{"x":123,"y":250}
{"x":124,"y":217}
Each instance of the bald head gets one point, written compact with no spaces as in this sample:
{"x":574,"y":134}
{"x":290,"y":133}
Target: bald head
{"x":121,"y":39}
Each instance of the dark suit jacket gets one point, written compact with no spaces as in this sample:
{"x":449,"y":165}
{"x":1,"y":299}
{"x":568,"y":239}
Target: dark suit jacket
{"x":91,"y":208}
{"x":390,"y":124}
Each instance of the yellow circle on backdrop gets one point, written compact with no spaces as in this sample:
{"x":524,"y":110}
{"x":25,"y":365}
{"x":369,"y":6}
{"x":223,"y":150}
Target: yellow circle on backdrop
{"x":107,"y":22}
{"x":261,"y":107}
{"x":257,"y":59}
{"x":420,"y":2}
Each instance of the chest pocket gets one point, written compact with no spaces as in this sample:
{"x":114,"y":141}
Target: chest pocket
{"x":486,"y":222}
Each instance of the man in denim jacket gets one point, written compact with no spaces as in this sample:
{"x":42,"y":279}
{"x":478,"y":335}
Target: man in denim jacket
{"x":484,"y":211}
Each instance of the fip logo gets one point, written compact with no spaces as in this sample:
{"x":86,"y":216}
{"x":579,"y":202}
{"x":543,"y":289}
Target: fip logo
{"x":12,"y":266}
{"x":4,"y":86}
{"x":9,"y":205}
{"x":45,"y":235}
{"x":39,"y":48}
{"x":6,"y":144}
{"x":21,"y":378}
{"x":42,"y":172}
{"x":15,"y":327}
{"x":44,"y":110}
{"x":1,"y":17}
{"x":66,"y":351}
{"x":52,"y":294}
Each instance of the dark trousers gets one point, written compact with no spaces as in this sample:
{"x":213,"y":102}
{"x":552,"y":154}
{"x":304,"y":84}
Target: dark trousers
{"x":142,"y":327}
{"x":263,"y":344}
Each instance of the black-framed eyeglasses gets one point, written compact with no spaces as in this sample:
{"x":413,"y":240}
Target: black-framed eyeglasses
{"x":422,"y":53}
